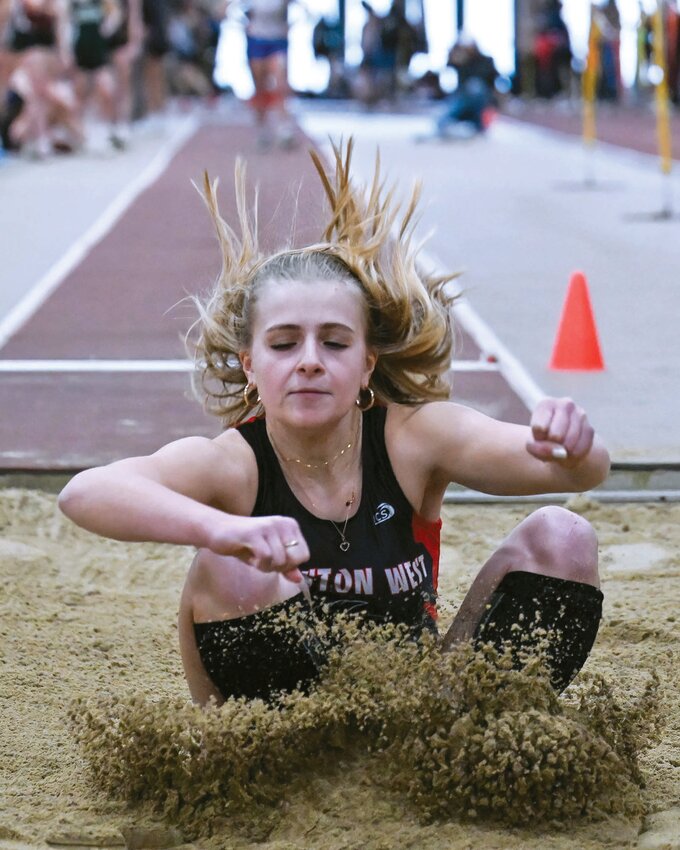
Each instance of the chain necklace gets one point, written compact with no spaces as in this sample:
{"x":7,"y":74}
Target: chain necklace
{"x":344,"y":542}
{"x":322,"y":465}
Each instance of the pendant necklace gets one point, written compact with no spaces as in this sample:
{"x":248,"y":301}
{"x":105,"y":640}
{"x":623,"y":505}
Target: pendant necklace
{"x":344,"y":542}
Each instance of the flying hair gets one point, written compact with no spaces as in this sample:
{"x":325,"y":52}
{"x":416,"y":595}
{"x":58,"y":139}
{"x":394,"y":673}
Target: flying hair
{"x":366,"y":244}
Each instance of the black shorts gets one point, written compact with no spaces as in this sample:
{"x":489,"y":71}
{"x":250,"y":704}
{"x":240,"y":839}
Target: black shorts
{"x":156,"y":22}
{"x":262,"y":654}
{"x":568,"y":611}
{"x":279,"y":650}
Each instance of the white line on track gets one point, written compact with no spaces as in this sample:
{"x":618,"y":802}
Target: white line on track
{"x":30,"y":366}
{"x":114,"y":366}
{"x":56,"y":274}
{"x":507,"y":364}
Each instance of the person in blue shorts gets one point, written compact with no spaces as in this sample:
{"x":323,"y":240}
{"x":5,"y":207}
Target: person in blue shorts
{"x":267,"y":52}
{"x":327,"y":365}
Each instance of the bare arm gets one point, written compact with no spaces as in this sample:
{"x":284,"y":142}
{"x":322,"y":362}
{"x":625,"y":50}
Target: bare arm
{"x":558,"y":451}
{"x":194,"y":492}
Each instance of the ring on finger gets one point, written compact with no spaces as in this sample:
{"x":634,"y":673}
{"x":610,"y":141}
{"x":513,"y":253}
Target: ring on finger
{"x":291,"y":543}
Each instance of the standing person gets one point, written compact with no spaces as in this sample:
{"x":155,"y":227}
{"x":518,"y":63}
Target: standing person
{"x":379,"y":40}
{"x":267,"y":51}
{"x":609,"y":22}
{"x":156,"y":18}
{"x":92,"y":23}
{"x":553,"y":52}
{"x":125,"y":45}
{"x":327,"y":366}
{"x":527,"y":21}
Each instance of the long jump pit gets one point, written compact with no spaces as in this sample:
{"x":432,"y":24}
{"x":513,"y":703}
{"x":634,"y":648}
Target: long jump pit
{"x":100,"y":745}
{"x":396,"y":746}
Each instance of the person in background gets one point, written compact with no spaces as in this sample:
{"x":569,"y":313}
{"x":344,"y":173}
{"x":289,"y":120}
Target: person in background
{"x":92,"y":23}
{"x":553,"y":52}
{"x":37,"y":96}
{"x":608,"y":20}
{"x":267,"y":52}
{"x":469,"y":106}
{"x":155,"y":18}
{"x":40,"y":113}
{"x":125,"y":47}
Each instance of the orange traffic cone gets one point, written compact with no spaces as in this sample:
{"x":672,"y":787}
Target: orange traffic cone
{"x":577,"y":346}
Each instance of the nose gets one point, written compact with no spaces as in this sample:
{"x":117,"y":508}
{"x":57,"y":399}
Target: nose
{"x":310,"y":356}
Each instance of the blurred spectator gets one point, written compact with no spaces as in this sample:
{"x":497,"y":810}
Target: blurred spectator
{"x":92,"y":23}
{"x":40,"y":112}
{"x":474,"y":98}
{"x":125,"y":46}
{"x":552,"y":51}
{"x":608,"y":21}
{"x":528,"y":22}
{"x":267,"y":50}
{"x":155,"y":17}
{"x":388,"y":44}
{"x":328,"y":42}
{"x":31,"y":25}
{"x":194,"y":32}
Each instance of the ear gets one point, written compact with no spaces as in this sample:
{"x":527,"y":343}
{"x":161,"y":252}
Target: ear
{"x":371,"y":360}
{"x":246,"y":363}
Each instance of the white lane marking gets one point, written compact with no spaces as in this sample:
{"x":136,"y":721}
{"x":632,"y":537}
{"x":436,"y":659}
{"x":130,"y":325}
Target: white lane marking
{"x":30,"y":303}
{"x":31,"y":366}
{"x":96,"y":366}
{"x":509,"y":366}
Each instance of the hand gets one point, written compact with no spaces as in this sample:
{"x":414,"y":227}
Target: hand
{"x":270,"y":544}
{"x":558,"y":425}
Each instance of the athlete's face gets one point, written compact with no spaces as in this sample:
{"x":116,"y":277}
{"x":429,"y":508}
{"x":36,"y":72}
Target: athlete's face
{"x":308,"y":355}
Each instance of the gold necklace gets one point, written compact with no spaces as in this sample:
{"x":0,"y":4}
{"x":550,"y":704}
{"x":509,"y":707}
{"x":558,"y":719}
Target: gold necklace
{"x":298,"y":460}
{"x":344,"y":542}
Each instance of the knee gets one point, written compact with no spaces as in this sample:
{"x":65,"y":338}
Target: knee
{"x":563,"y":544}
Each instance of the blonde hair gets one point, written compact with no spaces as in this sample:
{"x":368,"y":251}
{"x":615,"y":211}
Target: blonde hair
{"x":407,"y":311}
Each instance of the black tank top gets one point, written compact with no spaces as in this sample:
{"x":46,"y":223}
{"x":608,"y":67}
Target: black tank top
{"x":390,"y":569}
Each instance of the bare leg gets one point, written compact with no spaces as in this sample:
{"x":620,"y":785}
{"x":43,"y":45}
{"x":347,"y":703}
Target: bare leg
{"x":551,"y":541}
{"x":221,"y":588}
{"x":259,"y":69}
{"x":155,"y":85}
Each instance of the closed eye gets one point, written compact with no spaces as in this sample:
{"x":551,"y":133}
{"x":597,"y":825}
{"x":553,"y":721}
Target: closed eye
{"x":330,"y":343}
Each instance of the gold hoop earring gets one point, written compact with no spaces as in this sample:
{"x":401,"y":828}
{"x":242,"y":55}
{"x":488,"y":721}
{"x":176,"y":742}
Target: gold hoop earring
{"x":248,"y":395}
{"x":361,"y":403}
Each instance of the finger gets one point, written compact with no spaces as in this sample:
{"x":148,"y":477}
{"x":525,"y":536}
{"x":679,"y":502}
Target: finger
{"x":295,"y":576}
{"x":294,"y":543}
{"x":584,"y":443}
{"x":278,"y":550}
{"x":541,"y":419}
{"x":546,"y":450}
{"x":260,"y":556}
{"x":559,"y":424}
{"x":573,"y":433}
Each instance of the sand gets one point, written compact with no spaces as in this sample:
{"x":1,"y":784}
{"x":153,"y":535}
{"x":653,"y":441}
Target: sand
{"x":89,"y":633}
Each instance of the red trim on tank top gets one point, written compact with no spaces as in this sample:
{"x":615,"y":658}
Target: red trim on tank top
{"x":428,"y":533}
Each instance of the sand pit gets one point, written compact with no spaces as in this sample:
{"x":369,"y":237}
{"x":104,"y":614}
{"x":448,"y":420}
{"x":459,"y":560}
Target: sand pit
{"x":94,"y":619}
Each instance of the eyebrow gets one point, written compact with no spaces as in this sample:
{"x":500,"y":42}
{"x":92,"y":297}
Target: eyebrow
{"x":326,"y":326}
